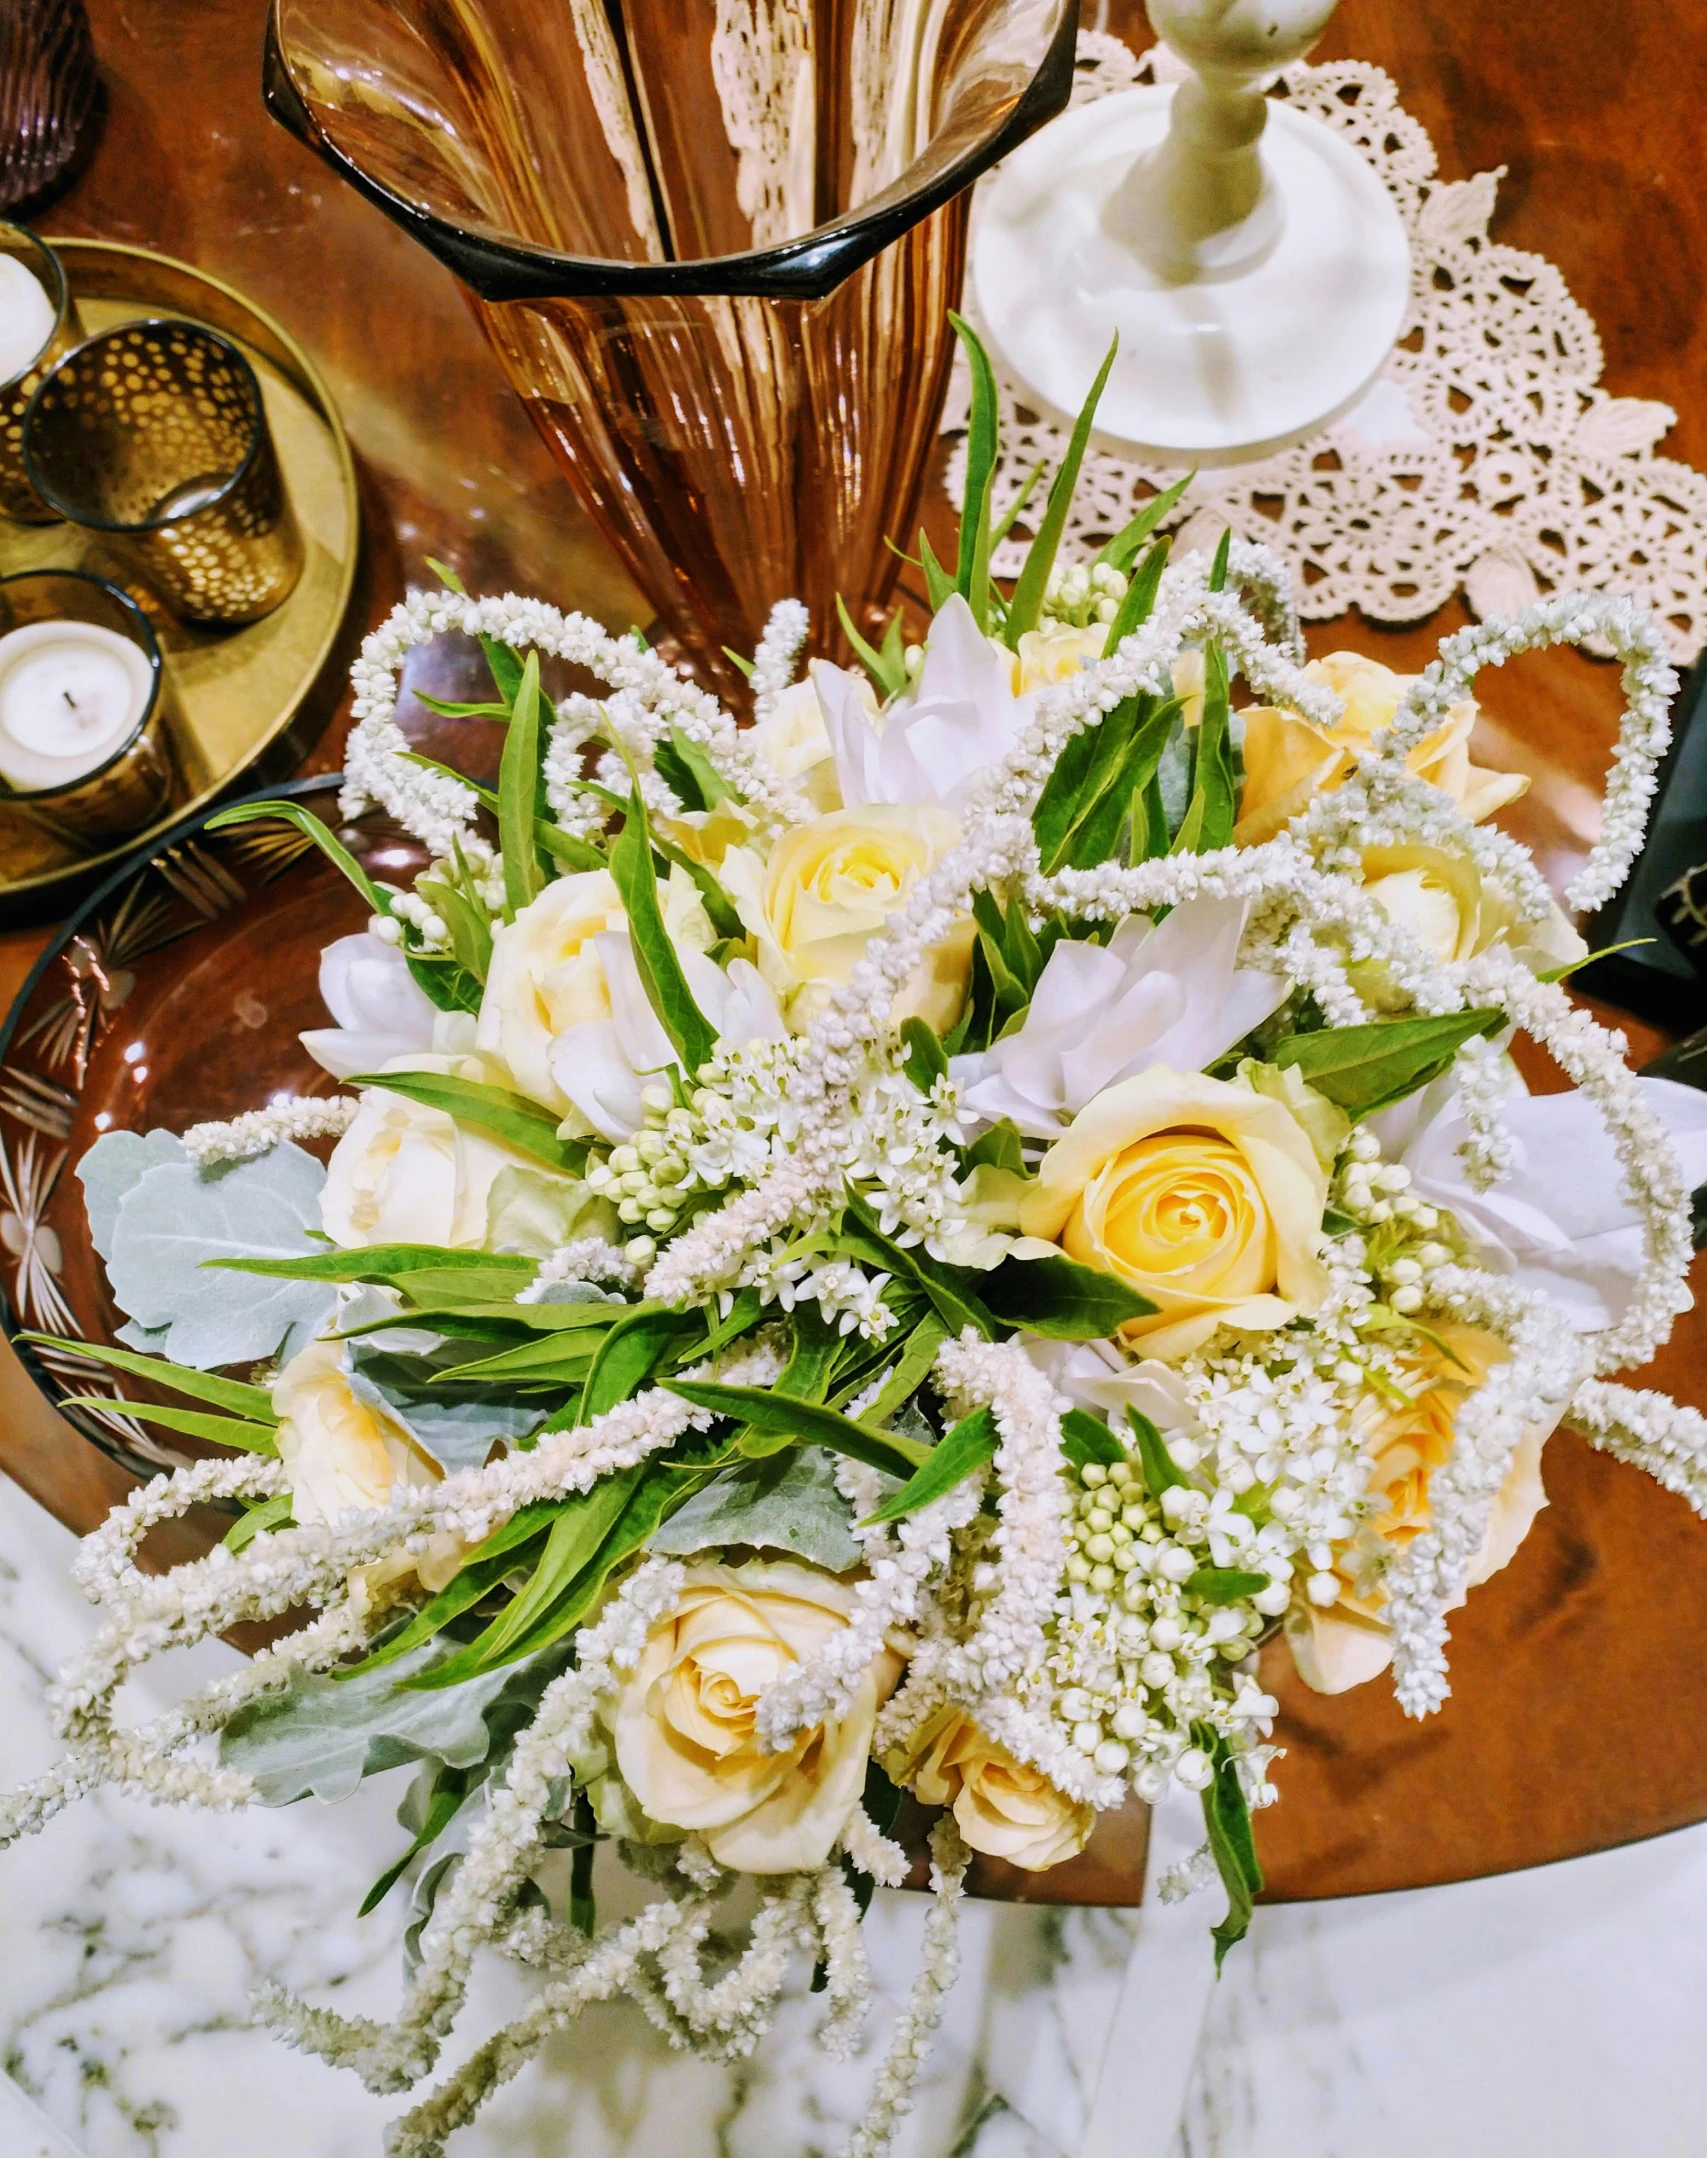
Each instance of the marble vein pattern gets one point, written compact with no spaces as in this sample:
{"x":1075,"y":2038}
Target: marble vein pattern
{"x":1557,"y":2011}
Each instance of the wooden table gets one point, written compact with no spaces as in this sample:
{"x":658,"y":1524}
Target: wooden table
{"x":1580,"y":1673}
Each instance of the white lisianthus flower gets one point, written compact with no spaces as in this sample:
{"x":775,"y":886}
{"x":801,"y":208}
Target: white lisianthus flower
{"x":1558,"y":1221}
{"x":1094,"y":1375}
{"x":381,"y":1012}
{"x":405,"y":1174}
{"x":603,"y":1065}
{"x":1172,"y":995}
{"x":685,"y":1726}
{"x":933,"y":740}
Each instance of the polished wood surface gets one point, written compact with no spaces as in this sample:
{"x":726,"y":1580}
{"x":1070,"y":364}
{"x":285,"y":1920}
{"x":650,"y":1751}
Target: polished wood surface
{"x":1580,"y":1673}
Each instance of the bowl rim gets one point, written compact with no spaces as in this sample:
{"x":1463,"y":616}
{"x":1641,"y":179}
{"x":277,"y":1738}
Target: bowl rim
{"x":134,"y":865}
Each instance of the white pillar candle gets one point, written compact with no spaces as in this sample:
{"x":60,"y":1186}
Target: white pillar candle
{"x":26,"y":318}
{"x":71,"y":695}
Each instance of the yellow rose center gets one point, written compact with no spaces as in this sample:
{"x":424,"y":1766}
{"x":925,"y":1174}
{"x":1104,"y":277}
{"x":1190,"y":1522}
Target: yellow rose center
{"x":1181,"y":1207}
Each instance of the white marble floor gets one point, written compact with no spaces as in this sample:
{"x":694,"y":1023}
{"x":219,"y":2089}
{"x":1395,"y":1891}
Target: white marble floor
{"x":1552,"y":2012}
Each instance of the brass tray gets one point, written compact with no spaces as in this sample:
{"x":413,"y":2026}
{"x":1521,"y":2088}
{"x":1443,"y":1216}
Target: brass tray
{"x":248,"y":695}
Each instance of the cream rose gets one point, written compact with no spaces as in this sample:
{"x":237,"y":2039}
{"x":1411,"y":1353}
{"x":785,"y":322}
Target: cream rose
{"x":1001,"y":1806}
{"x":794,"y":741}
{"x":344,"y":1450}
{"x":829,"y":887}
{"x":1340,"y":1645}
{"x":1453,"y":911}
{"x":1288,"y":761}
{"x":404,"y":1174}
{"x":1203,"y":1195}
{"x":1056,"y":654}
{"x":545,"y":976}
{"x":684,"y":1725}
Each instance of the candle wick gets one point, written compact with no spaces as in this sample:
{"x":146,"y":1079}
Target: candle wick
{"x":69,"y":698}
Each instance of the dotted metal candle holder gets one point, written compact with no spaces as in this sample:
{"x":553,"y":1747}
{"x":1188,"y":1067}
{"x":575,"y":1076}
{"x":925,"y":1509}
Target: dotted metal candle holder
{"x":134,"y":786}
{"x":155,"y":433}
{"x":18,"y":499}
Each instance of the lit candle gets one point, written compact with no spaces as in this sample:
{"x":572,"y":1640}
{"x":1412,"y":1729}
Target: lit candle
{"x":26,"y":318}
{"x":71,"y":695}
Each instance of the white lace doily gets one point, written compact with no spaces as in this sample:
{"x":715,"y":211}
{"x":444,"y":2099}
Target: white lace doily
{"x":1485,"y":460}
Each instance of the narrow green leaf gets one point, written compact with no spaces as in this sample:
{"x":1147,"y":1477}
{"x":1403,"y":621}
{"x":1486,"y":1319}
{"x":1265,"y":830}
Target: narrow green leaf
{"x":1088,"y":760}
{"x":912,"y":1369}
{"x":253,"y":1403}
{"x":1026,"y":605}
{"x":972,"y":575}
{"x":450,"y":1789}
{"x":519,"y":1122}
{"x":958,"y":1454}
{"x":1017,"y":505}
{"x":1155,"y":1463}
{"x":1001,"y":1147}
{"x":1224,"y":1584}
{"x":482,"y":1570}
{"x":939,"y":585}
{"x":518,"y":796}
{"x":1060,"y":1299}
{"x":1122,"y":549}
{"x":941,"y":1285}
{"x":805,"y":1421}
{"x":746,"y":665}
{"x":1367,"y":1068}
{"x":1210,"y":816}
{"x":448,"y":710}
{"x":1218,"y":568}
{"x":655,"y":956}
{"x":273,"y":1513}
{"x":890,"y":676}
{"x":311,"y":828}
{"x":629,"y":1355}
{"x":1140,"y":600}
{"x":1086,"y":1438}
{"x":688,"y":772}
{"x":1227,"y":1820}
{"x":195,"y":1423}
{"x":558,"y":1359}
{"x":1096,"y":835}
{"x":382,"y":1262}
{"x":724,"y":920}
{"x":506,"y":668}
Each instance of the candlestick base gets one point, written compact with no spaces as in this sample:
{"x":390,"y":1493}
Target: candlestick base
{"x":1255,"y":350}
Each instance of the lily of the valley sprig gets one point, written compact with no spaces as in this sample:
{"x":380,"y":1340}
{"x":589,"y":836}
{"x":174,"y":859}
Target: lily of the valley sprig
{"x":868,"y":1263}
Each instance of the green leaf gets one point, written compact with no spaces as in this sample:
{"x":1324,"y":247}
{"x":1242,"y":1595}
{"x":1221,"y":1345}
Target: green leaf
{"x":1060,"y":1299}
{"x":518,"y":795}
{"x":1218,"y":568}
{"x":450,"y":1789}
{"x":273,"y":1513}
{"x":808,"y":1423}
{"x":746,"y":666}
{"x":1096,"y":835}
{"x":1209,"y":817}
{"x":958,"y":1454}
{"x":449,"y":710}
{"x":688,"y":772}
{"x":1001,"y":1147}
{"x":515,"y":1119}
{"x":481,"y":1572}
{"x":1026,"y":604}
{"x":972,"y":575}
{"x":323,"y":1735}
{"x":1086,"y":1438}
{"x":940,"y":1285}
{"x":506,"y":668}
{"x":1224,"y":1584}
{"x":447,"y":986}
{"x":629,"y":1355}
{"x":939,"y":585}
{"x":925,"y":1063}
{"x":660,"y":970}
{"x":1367,"y":1068}
{"x":889,"y":674}
{"x":1017,"y":505}
{"x":311,"y":828}
{"x":177,"y":1218}
{"x":1227,"y":1820}
{"x":195,"y":1423}
{"x":253,"y":1404}
{"x":785,"y":1502}
{"x":390,"y":1262}
{"x":1120,"y":550}
{"x":725,"y":922}
{"x":911,"y":1370}
{"x":117,"y":1162}
{"x":1140,"y":600}
{"x":1155,"y":1464}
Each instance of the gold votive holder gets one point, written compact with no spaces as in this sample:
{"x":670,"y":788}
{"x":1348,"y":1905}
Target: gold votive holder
{"x":25,"y":260}
{"x":155,"y":435}
{"x":86,"y":709}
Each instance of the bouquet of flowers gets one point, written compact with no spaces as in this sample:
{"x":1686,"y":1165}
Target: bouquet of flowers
{"x":872,"y":1261}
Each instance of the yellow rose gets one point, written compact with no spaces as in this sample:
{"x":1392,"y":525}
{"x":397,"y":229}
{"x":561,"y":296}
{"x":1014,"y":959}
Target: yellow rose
{"x":684,"y":1725}
{"x":1341,"y":1644}
{"x":404,"y":1174}
{"x":1288,"y":761}
{"x":1056,"y":654}
{"x":1202,"y":1195}
{"x":1001,"y":1806}
{"x":545,"y":976}
{"x":344,"y":1450}
{"x":1453,"y":911}
{"x":827,"y":890}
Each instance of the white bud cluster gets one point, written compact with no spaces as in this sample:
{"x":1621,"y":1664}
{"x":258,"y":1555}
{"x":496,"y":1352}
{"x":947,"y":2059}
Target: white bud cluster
{"x":1401,"y":1240}
{"x":1082,"y":595}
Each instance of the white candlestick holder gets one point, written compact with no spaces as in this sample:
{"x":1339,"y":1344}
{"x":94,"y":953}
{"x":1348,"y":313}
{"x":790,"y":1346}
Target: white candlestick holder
{"x":1252,"y":265}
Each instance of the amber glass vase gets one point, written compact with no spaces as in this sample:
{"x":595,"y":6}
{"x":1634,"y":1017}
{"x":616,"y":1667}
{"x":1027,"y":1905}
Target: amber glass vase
{"x":714,"y":243}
